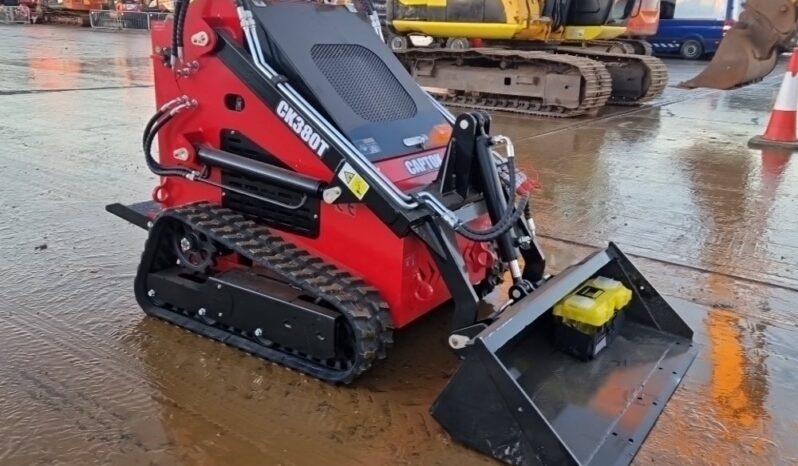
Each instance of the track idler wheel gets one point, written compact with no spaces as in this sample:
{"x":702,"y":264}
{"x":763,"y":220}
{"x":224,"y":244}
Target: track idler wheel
{"x":195,"y":251}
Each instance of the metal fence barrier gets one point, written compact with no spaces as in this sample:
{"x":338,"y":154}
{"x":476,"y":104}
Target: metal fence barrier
{"x":135,"y":20}
{"x":14,"y":14}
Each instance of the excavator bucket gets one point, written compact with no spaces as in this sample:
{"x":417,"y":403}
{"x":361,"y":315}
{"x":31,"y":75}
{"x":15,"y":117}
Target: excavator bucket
{"x":750,"y":49}
{"x":517,"y":398}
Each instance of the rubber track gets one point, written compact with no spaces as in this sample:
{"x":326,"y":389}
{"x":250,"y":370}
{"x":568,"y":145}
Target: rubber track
{"x":656,"y":69}
{"x":596,"y":92}
{"x":360,"y":304}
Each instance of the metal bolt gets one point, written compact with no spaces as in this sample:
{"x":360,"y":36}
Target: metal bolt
{"x":151,"y":293}
{"x":201,"y":38}
{"x":177,"y":262}
{"x":185,"y":244}
{"x":330,"y":195}
{"x":149,"y":224}
{"x":258,"y":332}
{"x":201,"y":311}
{"x":220,"y":314}
{"x":181,"y":154}
{"x":218,"y":287}
{"x":458,"y":341}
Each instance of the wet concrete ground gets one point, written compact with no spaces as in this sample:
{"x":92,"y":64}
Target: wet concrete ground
{"x":86,"y":379}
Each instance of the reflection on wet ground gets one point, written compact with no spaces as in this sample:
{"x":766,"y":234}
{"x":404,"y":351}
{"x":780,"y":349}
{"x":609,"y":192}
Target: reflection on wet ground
{"x":86,"y":379}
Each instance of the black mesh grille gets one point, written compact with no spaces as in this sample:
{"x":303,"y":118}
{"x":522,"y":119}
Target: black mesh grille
{"x":364,"y":82}
{"x":303,"y":221}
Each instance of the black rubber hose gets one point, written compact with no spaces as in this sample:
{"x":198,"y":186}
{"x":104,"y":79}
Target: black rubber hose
{"x":154,"y":166}
{"x":181,"y":22}
{"x":556,"y":14}
{"x":497,"y":230}
{"x":175,"y":19}
{"x":508,"y":219}
{"x":150,"y":124}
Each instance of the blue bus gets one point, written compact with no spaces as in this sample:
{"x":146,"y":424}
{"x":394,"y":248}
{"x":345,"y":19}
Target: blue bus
{"x":693,"y":29}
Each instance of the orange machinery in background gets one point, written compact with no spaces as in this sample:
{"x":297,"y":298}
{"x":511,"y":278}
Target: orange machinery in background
{"x":643,"y":22}
{"x":72,"y":11}
{"x":84,"y":5}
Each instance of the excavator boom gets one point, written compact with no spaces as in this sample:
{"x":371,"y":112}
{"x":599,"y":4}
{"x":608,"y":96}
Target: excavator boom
{"x":750,"y":49}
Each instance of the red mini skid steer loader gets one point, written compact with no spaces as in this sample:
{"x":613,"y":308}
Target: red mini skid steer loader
{"x":313,"y":199}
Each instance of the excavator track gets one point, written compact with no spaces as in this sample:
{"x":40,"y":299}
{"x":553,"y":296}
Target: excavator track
{"x":636,"y":79}
{"x":608,"y":46}
{"x":640,"y":46}
{"x":365,"y":313}
{"x":593,"y":81}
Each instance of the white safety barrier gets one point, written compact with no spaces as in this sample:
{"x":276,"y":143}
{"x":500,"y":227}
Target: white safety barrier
{"x":135,"y":20}
{"x":14,"y":14}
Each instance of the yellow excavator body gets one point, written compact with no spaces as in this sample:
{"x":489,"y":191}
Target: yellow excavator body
{"x":588,"y":33}
{"x":502,"y":20}
{"x":496,"y":31}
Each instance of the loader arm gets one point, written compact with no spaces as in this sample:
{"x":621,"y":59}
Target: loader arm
{"x":750,"y":49}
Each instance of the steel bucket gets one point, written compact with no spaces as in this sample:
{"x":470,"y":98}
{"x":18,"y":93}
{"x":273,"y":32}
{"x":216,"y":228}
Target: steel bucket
{"x":517,"y":398}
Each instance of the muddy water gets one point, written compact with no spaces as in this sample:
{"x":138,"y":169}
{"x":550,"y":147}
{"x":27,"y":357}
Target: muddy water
{"x":86,"y":379}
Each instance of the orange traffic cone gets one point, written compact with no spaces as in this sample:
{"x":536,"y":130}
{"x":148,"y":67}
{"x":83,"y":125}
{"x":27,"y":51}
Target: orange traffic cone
{"x":781,"y":130}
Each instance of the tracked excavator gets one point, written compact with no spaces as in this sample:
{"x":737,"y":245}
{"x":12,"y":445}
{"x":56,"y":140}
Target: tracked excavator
{"x":313,"y":199}
{"x":750,"y":49}
{"x":532,"y":59}
{"x":643,"y":19}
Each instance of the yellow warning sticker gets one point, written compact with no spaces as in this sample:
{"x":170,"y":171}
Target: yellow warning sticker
{"x":353,"y":181}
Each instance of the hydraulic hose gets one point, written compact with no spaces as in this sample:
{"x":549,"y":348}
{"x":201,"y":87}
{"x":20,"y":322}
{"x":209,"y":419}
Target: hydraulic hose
{"x":181,"y":23}
{"x":162,"y":117}
{"x":490,"y":234}
{"x":175,"y":20}
{"x":508,"y":219}
{"x":556,"y":17}
{"x":153,"y":165}
{"x":148,"y":129}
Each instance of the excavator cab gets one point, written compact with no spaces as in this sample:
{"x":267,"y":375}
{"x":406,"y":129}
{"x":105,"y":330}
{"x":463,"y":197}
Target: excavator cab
{"x":599,"y":20}
{"x":604,"y":12}
{"x":644,"y":20}
{"x":303,"y":215}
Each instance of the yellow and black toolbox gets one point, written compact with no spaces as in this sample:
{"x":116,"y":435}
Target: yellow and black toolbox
{"x":588,"y":319}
